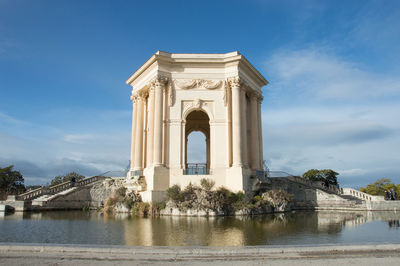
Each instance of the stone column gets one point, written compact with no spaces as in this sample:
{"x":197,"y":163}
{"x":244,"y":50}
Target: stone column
{"x":158,"y":120}
{"x":236,"y":122}
{"x":139,"y":135}
{"x":183,"y":144}
{"x":186,"y":151}
{"x":134,"y":114}
{"x":243,"y":113}
{"x":260,"y":142}
{"x":150,"y":128}
{"x":208,"y":159}
{"x":254,"y":140}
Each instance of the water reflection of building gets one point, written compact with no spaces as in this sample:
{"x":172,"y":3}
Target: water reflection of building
{"x":178,"y":231}
{"x":394,"y":224}
{"x":239,"y":231}
{"x":284,"y":228}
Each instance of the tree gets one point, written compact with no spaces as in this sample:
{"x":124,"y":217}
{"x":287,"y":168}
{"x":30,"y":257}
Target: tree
{"x":65,"y":178}
{"x":11,"y":181}
{"x":327,"y":176}
{"x":330,"y":176}
{"x":380,"y":186}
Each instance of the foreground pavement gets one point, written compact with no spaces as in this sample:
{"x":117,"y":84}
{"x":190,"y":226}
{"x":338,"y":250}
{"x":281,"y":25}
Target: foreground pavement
{"x":25,"y":254}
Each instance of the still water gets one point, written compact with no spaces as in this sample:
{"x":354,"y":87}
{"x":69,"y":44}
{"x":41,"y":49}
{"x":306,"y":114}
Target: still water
{"x":295,"y":228}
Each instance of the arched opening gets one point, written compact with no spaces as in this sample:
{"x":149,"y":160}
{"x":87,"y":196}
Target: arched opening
{"x":197,"y":147}
{"x":197,"y":121}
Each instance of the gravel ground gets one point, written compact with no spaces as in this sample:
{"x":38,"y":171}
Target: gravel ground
{"x":388,"y":254}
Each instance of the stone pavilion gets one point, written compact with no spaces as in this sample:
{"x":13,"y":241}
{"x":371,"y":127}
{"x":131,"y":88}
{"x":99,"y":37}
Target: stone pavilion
{"x":175,"y":94}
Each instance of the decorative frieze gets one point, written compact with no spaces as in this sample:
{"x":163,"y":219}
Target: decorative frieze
{"x":198,"y":83}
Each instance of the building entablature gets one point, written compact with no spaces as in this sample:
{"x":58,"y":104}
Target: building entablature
{"x":197,"y":71}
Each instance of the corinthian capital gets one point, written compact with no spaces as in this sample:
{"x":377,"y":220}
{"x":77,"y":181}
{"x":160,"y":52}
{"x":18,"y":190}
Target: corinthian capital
{"x":143,"y":94}
{"x":158,"y":81}
{"x":254,"y":95}
{"x":235,"y":82}
{"x":134,"y":97}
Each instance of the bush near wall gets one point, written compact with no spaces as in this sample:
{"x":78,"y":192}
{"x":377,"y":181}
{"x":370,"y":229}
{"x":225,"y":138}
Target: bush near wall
{"x":223,"y":201}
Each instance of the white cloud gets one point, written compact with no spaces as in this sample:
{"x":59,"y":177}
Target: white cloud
{"x":321,"y":75}
{"x":77,"y":138}
{"x":321,"y":111}
{"x":43,"y":151}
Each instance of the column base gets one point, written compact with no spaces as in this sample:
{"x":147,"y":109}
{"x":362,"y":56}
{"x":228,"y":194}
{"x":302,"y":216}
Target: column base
{"x":238,"y":179}
{"x":157,"y":178}
{"x":153,"y":196}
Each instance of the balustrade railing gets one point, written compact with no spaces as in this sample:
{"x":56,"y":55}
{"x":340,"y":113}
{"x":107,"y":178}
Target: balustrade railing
{"x":196,"y":169}
{"x":137,"y":173}
{"x":51,"y":190}
{"x":361,"y":195}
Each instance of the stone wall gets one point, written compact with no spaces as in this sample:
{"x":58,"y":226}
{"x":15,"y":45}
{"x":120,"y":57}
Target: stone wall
{"x":103,"y":190}
{"x":14,"y":205}
{"x":386,"y":205}
{"x":306,"y":198}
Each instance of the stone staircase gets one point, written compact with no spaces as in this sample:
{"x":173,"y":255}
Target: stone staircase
{"x":61,"y":196}
{"x":47,"y":192}
{"x":308,"y":195}
{"x":352,"y":198}
{"x":44,"y":199}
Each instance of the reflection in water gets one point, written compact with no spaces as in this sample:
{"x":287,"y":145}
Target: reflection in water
{"x":324,"y":227}
{"x":394,"y":224}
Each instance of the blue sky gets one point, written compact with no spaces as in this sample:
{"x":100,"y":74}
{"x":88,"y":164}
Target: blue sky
{"x":333,"y":66}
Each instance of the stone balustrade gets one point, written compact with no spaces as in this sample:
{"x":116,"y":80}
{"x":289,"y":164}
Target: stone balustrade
{"x":361,"y":195}
{"x":30,"y":195}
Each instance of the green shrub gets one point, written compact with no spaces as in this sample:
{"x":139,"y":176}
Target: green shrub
{"x":207,"y":184}
{"x":238,"y":200}
{"x":141,"y":209}
{"x":257,"y":198}
{"x":189,"y":193}
{"x":237,"y":197}
{"x":174,"y":193}
{"x":128,"y":202}
{"x":121,"y":191}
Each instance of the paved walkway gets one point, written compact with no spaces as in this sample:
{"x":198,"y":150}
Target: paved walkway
{"x":388,"y":254}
